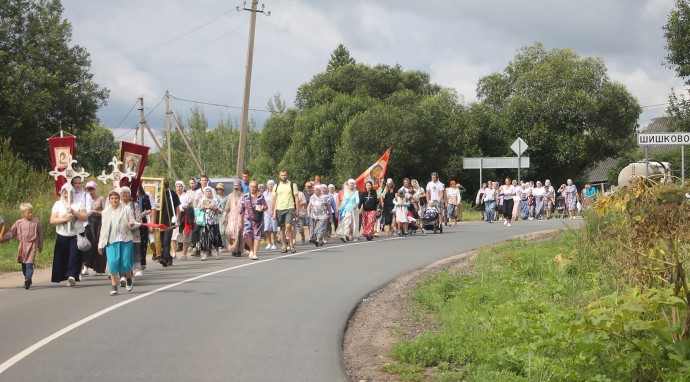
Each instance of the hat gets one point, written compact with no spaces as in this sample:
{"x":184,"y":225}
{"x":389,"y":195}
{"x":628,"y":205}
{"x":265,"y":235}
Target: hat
{"x":66,"y":186}
{"x":331,"y":185}
{"x":434,"y":173}
{"x":179,"y":182}
{"x":351,"y":181}
{"x":125,"y":188}
{"x":92,"y":184}
{"x":220,"y":186}
{"x":389,"y":181}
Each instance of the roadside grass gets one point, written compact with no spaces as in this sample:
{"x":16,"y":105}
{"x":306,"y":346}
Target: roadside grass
{"x":510,"y":319}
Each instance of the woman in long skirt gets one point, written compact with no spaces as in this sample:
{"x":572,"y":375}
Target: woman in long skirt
{"x":209,"y":237}
{"x":116,"y":240}
{"x":67,"y":217}
{"x":231,"y":217}
{"x":368,"y":204}
{"x":270,"y":224}
{"x":91,"y":257}
{"x":319,"y":212}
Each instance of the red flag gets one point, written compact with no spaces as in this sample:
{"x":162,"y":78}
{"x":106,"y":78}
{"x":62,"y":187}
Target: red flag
{"x":133,"y":158}
{"x":374,"y":173}
{"x":60,"y":148}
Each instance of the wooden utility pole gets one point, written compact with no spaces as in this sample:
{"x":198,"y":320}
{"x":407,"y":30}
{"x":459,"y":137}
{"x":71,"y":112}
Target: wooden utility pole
{"x":142,"y":121}
{"x":160,"y":150}
{"x":167,"y":130}
{"x":247,"y":84}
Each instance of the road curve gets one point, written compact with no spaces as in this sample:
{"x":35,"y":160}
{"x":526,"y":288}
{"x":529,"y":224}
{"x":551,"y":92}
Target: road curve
{"x":278,"y":319}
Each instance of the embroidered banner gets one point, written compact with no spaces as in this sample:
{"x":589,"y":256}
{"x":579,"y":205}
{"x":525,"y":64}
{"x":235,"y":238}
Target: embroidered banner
{"x":61,"y":148}
{"x":133,"y":158}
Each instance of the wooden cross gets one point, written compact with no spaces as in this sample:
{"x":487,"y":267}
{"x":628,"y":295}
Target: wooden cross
{"x":69,"y":173}
{"x":116,"y":175}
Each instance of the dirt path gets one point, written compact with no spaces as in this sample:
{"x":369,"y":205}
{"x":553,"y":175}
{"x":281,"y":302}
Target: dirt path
{"x":388,"y":315}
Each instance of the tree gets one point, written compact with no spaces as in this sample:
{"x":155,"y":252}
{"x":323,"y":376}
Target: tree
{"x":677,"y":34}
{"x":95,"y":148}
{"x":45,"y":82}
{"x":564,"y":106}
{"x":339,"y":57}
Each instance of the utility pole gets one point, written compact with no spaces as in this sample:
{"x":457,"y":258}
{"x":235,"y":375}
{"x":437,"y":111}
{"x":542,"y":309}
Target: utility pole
{"x":142,"y":121}
{"x":247,"y":82}
{"x":167,"y":130}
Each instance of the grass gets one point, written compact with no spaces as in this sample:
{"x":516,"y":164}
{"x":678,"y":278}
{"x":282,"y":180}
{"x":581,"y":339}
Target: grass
{"x":510,"y":321}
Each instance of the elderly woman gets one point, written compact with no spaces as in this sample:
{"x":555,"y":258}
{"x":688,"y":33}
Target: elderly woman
{"x":231,"y":218}
{"x":116,"y":240}
{"x":93,"y":232}
{"x":270,"y":225}
{"x":549,"y":198}
{"x":318,"y":212}
{"x":68,"y":217}
{"x":347,"y":228}
{"x":571,"y":197}
{"x":222,"y":201}
{"x":209,"y":236}
{"x":251,"y":211}
{"x":538,"y":193}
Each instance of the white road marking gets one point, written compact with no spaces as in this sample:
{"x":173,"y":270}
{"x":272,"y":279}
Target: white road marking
{"x":26,"y":352}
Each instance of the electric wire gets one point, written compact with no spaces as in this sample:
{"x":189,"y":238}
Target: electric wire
{"x":130,"y":110}
{"x":217,"y":104}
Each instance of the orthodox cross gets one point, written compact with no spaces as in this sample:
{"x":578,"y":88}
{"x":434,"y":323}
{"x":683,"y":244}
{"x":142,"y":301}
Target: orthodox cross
{"x":69,"y":173}
{"x":116,"y":175}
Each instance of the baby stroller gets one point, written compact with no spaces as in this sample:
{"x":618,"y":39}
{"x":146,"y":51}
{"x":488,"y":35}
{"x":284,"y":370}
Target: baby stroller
{"x":561,"y":210}
{"x":431,"y":220}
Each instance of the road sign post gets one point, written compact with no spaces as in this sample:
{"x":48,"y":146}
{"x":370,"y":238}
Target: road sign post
{"x":493,"y":162}
{"x":519,"y":147}
{"x":664,"y":139}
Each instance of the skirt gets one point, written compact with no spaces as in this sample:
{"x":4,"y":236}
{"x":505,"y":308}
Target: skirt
{"x":318,"y":228}
{"x":368,"y":220}
{"x":209,"y":237}
{"x":119,"y":256}
{"x":66,"y":259}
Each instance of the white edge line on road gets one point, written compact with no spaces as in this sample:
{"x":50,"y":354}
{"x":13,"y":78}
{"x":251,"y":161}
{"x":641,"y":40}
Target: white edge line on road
{"x":26,"y":352}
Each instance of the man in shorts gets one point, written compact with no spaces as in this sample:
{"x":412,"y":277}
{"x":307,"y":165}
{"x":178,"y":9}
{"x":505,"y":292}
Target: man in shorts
{"x":435,"y":191}
{"x":283,"y":209}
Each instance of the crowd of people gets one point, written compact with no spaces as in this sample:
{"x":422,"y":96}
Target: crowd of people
{"x":531,"y":200}
{"x":96,"y":234}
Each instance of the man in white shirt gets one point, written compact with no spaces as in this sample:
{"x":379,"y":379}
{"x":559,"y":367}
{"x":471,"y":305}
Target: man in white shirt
{"x":435,"y":190}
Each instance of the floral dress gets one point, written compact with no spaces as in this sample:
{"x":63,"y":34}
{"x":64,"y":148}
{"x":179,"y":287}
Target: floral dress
{"x":248,"y":205}
{"x":210,"y":237}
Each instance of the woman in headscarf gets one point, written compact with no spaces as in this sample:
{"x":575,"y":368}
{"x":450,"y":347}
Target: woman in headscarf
{"x":538,"y":194}
{"x":347,"y":228}
{"x":93,"y":232}
{"x":270,"y":225}
{"x":116,"y":240}
{"x":138,"y":214}
{"x":549,"y":198}
{"x":571,"y":197}
{"x":368,"y":203}
{"x":209,"y":237}
{"x":67,"y":218}
{"x":318,"y":212}
{"x":387,"y":200}
{"x":222,"y":200}
{"x":251,"y":212}
{"x":231,"y":217}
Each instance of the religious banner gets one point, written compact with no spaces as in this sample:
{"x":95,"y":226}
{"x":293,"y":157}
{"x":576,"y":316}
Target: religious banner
{"x":133,"y":159}
{"x":61,"y":152}
{"x":374,"y":173}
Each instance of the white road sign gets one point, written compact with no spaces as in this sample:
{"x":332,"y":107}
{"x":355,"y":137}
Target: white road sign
{"x":519,"y":146}
{"x":494,"y":162}
{"x":653,"y":139}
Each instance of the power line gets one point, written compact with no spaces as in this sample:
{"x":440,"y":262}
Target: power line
{"x":130,"y":110}
{"x":217,"y":104}
{"x":127,"y":132}
{"x":658,"y":104}
{"x":167,"y":42}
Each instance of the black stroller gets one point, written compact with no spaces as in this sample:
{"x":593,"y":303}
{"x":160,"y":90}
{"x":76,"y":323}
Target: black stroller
{"x":561,"y":210}
{"x":431,"y":220}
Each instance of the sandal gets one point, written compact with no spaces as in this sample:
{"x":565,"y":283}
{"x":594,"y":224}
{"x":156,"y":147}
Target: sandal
{"x":293,"y":250}
{"x":283,"y":250}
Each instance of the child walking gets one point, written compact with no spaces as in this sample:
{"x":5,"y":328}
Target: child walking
{"x":30,"y":236}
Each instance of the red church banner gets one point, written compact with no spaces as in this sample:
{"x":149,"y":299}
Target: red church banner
{"x":374,"y":173}
{"x":61,"y":148}
{"x":133,"y":158}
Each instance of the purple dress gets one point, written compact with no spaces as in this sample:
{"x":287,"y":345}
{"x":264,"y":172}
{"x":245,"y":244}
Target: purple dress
{"x":248,"y":205}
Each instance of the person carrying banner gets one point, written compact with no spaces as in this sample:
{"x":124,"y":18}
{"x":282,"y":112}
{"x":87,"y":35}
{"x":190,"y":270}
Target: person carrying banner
{"x":170,"y":204}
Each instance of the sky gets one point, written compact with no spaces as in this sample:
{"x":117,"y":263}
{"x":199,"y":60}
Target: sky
{"x":198,"y":50}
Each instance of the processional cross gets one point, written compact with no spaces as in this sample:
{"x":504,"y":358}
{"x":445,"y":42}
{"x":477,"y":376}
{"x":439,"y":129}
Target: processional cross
{"x":117,"y":175}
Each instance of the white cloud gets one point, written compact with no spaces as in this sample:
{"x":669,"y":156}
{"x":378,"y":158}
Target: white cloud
{"x":457,"y":73}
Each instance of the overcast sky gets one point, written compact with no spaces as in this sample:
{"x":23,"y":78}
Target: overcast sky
{"x":197,"y":50}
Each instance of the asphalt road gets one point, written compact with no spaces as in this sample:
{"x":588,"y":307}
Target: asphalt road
{"x":277,"y":319}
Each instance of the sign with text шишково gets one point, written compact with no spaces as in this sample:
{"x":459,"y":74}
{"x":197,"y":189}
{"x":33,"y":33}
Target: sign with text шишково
{"x":663,"y":139}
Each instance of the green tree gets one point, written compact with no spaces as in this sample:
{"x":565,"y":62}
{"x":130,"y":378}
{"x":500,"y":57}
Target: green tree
{"x":95,"y":148}
{"x":339,"y":57}
{"x":45,"y":81}
{"x":677,"y":34}
{"x":564,"y":106}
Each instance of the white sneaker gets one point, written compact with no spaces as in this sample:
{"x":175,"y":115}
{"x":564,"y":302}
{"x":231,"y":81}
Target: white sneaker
{"x":508,"y":224}
{"x":85,"y":270}
{"x":138,"y":273}
{"x":71,"y":282}
{"x":273,"y":246}
{"x":253,"y":256}
{"x":505,"y":222}
{"x":123,"y":281}
{"x":268,"y":246}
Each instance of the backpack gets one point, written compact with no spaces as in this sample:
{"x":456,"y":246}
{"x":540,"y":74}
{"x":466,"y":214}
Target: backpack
{"x":275,"y":189}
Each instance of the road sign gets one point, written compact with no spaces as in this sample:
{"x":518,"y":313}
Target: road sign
{"x":494,"y":162}
{"x":519,"y":146}
{"x":654,"y":139}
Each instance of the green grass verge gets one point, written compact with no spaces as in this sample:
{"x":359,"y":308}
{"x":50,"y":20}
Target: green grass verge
{"x":510,"y":321}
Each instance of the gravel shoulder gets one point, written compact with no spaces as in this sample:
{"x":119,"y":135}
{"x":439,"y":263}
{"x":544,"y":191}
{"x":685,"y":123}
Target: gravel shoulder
{"x":389,"y":315}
